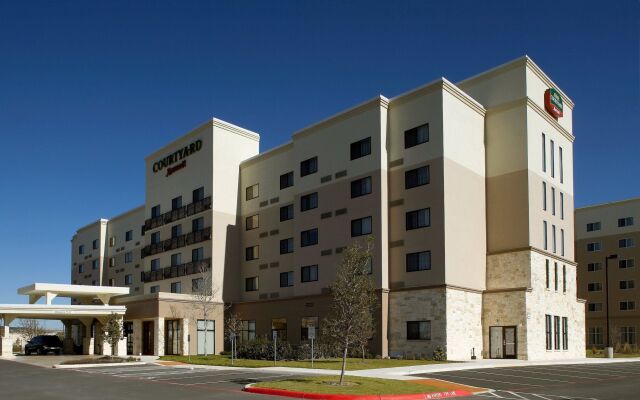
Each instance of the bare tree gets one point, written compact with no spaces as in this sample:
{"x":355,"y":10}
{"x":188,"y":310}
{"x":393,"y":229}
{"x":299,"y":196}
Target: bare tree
{"x":29,"y":328}
{"x":204,"y":296}
{"x":350,"y":319}
{"x":233,"y":327}
{"x":111,"y":331}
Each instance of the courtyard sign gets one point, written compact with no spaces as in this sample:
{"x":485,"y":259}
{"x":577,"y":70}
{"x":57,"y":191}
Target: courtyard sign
{"x":177,"y":157}
{"x":553,"y":102}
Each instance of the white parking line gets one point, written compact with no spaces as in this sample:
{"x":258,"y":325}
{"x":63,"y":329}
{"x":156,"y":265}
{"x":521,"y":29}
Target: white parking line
{"x":519,"y":376}
{"x":208,"y":383}
{"x":517,"y":395}
{"x":200,"y":376}
{"x":572,"y":370}
{"x":486,"y":380}
{"x":555,"y":374}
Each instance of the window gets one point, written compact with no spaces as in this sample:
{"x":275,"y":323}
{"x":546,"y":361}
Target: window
{"x":565,"y":333}
{"x":544,"y":153}
{"x":286,"y":246}
{"x":247,"y":331}
{"x":623,"y":243}
{"x":197,"y":224}
{"x":112,"y":282}
{"x":128,"y":279}
{"x":553,"y":237}
{"x":622,"y":222}
{"x":553,"y":201}
{"x":360,"y":187}
{"x":279,"y":325}
{"x":154,"y":289}
{"x":561,"y":205}
{"x":562,"y":242}
{"x":418,"y":218}
{"x":176,"y":287}
{"x":155,"y":264}
{"x":80,"y":268}
{"x":544,"y":196}
{"x":308,"y":167}
{"x":420,"y":261}
{"x":155,"y":237}
{"x":593,"y":267}
{"x":252,"y":192}
{"x":176,"y":259}
{"x":627,"y":305}
{"x":629,"y":284}
{"x":176,"y":203}
{"x":251,"y":284}
{"x":112,"y":262}
{"x":286,"y":212}
{"x":309,"y":238}
{"x":197,"y":284}
{"x":594,"y":307}
{"x":593,"y":226}
{"x":128,"y":236}
{"x":416,"y":136}
{"x":361,"y":226}
{"x":552,"y":158}
{"x":198,"y":194}
{"x":594,"y":336}
{"x":418,"y":330}
{"x":309,"y":201}
{"x":94,"y":264}
{"x":252,"y":222}
{"x":128,"y":257}
{"x":544,"y":233}
{"x":361,"y":148}
{"x":176,"y":231}
{"x":626,"y":263}
{"x":594,"y":246}
{"x":94,"y":282}
{"x":94,"y":244}
{"x":197,"y":254}
{"x":594,"y":287}
{"x":155,"y":211}
{"x":416,"y":177}
{"x":286,"y":279}
{"x":306,"y":323}
{"x":286,"y":180}
{"x":252,"y":253}
{"x":564,"y":278}
{"x":309,"y":273}
{"x":627,"y":335}
{"x":547,"y":274}
{"x":556,"y":332}
{"x":561,"y":164}
{"x":555,"y":276}
{"x":81,"y":249}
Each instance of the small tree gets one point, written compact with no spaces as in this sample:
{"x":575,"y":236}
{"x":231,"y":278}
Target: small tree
{"x":350,"y":319}
{"x":204,"y":295}
{"x":111,"y":331}
{"x":29,"y":328}
{"x":233,"y":326}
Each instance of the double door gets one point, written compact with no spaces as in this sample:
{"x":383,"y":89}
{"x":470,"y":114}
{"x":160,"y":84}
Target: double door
{"x":503,"y":342}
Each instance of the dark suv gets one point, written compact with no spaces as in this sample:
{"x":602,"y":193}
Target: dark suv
{"x":43,"y":344}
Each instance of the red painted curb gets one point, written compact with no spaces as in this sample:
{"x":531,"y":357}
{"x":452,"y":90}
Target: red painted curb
{"x":320,"y":396}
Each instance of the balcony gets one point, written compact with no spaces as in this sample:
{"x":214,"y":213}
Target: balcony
{"x":177,"y":242}
{"x":177,"y":214}
{"x":190,"y":268}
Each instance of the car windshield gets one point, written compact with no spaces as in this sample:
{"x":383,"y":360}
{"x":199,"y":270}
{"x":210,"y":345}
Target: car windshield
{"x":51,"y":340}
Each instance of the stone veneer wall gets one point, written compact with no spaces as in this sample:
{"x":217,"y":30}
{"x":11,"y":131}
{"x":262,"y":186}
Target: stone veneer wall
{"x":416,"y":305}
{"x":505,"y":309}
{"x":464,"y":324}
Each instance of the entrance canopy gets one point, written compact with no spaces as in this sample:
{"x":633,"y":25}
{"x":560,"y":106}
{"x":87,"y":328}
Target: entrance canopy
{"x":83,"y":293}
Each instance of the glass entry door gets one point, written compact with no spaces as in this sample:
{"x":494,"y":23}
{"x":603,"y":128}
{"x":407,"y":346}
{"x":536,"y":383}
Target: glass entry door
{"x":502,"y":342}
{"x":147,"y":337}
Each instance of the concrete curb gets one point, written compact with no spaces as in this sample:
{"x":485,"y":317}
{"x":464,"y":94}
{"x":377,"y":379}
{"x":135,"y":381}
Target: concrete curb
{"x":76,"y":366}
{"x":322,"y":396}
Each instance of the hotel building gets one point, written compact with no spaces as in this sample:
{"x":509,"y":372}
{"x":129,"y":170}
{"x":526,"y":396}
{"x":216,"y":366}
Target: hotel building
{"x":467,"y":190}
{"x":607,"y":236}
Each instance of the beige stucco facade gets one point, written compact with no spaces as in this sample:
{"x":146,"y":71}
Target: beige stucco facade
{"x":448,"y":180}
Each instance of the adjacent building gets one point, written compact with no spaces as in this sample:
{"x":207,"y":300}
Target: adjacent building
{"x":466,"y":189}
{"x":606,"y":238}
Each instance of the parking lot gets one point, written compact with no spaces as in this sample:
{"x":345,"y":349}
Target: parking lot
{"x":553,"y":382}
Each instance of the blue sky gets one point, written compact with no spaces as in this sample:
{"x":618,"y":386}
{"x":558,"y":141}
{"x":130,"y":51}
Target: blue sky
{"x":87,"y":89}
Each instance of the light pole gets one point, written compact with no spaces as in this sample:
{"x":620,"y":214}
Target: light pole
{"x":606,"y":280}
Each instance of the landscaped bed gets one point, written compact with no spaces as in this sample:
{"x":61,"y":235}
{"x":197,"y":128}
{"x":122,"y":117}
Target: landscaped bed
{"x":100,"y":360}
{"x":591,"y":353}
{"x":353,"y":364}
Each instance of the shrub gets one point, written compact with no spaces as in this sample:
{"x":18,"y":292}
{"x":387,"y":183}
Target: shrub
{"x":439,"y":354}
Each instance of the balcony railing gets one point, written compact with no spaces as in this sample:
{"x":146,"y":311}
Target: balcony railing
{"x":174,"y":271}
{"x":177,"y":242}
{"x":179,"y":213}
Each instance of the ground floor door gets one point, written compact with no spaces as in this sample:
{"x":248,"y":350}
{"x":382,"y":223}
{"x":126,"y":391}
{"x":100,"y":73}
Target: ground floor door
{"x":502,"y":342}
{"x":172,"y":336}
{"x":127,"y":327}
{"x":209,"y":333}
{"x":147,"y":338}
